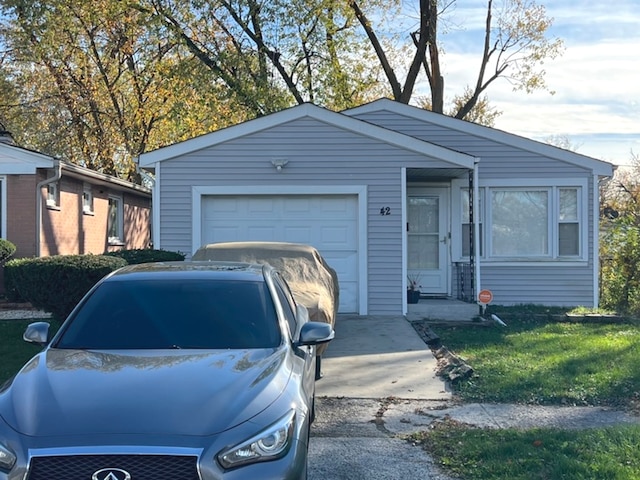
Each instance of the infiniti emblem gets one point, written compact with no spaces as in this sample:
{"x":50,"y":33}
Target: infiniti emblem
{"x":111,"y":474}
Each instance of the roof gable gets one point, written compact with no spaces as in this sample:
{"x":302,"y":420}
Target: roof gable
{"x":306,"y":110}
{"x":598,"y":167}
{"x":21,"y":161}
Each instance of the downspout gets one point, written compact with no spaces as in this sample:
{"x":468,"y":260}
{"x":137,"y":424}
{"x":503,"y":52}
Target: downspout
{"x":596,"y":241}
{"x":476,"y":226}
{"x":56,"y":176}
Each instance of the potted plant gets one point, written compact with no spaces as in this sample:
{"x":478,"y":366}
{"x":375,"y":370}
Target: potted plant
{"x":413,"y":289}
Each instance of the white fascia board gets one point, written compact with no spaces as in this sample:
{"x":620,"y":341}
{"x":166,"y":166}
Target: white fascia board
{"x":598,"y":167}
{"x":311,"y":111}
{"x":20,"y":161}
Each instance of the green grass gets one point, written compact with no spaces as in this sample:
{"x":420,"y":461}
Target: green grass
{"x":545,"y":454}
{"x":14,"y":352}
{"x":535,"y":361}
{"x":550,"y":363}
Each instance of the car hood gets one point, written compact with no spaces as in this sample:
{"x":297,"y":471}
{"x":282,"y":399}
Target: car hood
{"x":71,"y":392}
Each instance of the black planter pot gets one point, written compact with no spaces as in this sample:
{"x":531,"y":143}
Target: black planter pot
{"x":413,"y":296}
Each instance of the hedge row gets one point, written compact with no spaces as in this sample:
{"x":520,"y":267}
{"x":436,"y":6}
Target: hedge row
{"x":57,"y":283}
{"x":6,"y":249}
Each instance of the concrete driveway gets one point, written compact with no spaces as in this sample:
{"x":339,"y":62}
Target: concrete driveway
{"x":379,"y":384}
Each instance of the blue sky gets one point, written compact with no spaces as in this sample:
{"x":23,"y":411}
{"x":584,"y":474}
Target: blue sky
{"x":596,"y":105}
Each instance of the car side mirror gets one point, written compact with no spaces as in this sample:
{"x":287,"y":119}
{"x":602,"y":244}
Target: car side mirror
{"x":37,"y":332}
{"x":315,"y":333}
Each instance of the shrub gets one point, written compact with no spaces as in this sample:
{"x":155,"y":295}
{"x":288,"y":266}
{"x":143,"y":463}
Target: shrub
{"x":147,"y":255}
{"x":620,"y":270}
{"x":11,"y":273}
{"x":6,"y":249}
{"x":56,"y":284}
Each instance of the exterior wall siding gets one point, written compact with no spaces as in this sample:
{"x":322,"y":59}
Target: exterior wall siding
{"x":67,"y":230}
{"x":556,"y":285}
{"x":318,"y":155}
{"x":137,"y":221}
{"x":21,"y":214}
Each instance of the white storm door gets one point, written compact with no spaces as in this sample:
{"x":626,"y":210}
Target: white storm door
{"x":428,"y":239}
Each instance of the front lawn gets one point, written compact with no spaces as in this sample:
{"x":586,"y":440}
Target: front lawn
{"x":539,"y":454}
{"x":537,"y":361}
{"x":553,"y":363}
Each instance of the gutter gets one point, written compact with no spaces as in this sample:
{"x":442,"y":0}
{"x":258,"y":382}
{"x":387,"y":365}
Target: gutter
{"x":47,"y":181}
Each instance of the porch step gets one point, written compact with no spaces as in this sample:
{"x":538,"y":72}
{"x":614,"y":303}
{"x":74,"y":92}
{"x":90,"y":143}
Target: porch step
{"x":442,"y":309}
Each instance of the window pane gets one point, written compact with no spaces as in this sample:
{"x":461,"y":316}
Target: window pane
{"x":465,"y":205}
{"x":466,"y":249}
{"x":569,"y":243}
{"x":568,"y":205}
{"x":114,"y":218}
{"x":423,"y":215}
{"x":519,"y":222}
{"x":423,"y":252}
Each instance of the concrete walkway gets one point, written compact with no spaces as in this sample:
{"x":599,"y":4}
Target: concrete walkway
{"x":378,"y":357}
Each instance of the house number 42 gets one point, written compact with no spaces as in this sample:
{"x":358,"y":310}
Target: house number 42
{"x":385,"y":211}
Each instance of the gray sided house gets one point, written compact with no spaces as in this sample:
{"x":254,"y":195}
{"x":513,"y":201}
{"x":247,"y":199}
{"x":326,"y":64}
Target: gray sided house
{"x":388,"y":193}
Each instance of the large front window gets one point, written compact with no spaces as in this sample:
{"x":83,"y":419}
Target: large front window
{"x":524,"y":222}
{"x":520,"y":223}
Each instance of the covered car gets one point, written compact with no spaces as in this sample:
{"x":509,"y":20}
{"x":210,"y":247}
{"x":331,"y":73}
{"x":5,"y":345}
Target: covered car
{"x":312,"y":281}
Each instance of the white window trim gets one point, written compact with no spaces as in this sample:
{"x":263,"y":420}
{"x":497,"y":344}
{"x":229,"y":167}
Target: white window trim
{"x":553,"y":186}
{"x":55,"y":201}
{"x":87,"y":209}
{"x":119,"y":239}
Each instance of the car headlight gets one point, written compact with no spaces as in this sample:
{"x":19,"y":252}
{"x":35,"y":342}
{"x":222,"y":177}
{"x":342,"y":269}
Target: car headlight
{"x":7,"y":458}
{"x":270,"y":444}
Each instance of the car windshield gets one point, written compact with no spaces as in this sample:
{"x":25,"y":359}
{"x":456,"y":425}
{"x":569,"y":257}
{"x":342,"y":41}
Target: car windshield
{"x":163,"y":314}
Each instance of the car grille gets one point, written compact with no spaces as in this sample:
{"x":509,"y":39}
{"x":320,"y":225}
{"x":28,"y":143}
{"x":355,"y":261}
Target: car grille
{"x":140,"y":467}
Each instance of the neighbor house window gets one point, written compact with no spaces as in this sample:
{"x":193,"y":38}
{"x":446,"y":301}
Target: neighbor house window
{"x":519,"y":222}
{"x":87,"y":199}
{"x":466,"y":222}
{"x":114,"y":221}
{"x":53,"y":194}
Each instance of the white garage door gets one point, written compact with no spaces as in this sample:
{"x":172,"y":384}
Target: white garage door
{"x":327,"y":222}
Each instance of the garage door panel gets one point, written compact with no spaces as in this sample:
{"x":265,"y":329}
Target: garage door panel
{"x":297,"y":234}
{"x":223,"y":234}
{"x":337,"y":237}
{"x":328,"y":222}
{"x":264,"y":205}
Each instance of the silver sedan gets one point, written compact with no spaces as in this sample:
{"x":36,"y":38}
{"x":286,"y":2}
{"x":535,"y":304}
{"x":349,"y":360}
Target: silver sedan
{"x":181,"y":371}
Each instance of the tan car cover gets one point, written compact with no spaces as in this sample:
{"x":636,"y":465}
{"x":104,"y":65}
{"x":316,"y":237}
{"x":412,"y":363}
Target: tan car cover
{"x":313,"y":282}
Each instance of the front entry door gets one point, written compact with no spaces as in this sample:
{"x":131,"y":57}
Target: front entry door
{"x":428,"y":239}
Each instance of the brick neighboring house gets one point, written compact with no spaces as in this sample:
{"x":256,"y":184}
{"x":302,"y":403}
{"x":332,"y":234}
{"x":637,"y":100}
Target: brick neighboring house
{"x":51,"y":207}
